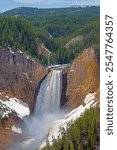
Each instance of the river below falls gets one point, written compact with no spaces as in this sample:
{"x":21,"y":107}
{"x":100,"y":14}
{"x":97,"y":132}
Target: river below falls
{"x":36,"y":131}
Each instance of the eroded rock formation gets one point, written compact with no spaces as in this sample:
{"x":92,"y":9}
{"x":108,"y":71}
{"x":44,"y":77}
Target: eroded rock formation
{"x":7,"y":136}
{"x":83,"y":77}
{"x":19,"y":76}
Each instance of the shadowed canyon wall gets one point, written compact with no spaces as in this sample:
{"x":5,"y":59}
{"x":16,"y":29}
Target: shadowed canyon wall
{"x":19,"y":76}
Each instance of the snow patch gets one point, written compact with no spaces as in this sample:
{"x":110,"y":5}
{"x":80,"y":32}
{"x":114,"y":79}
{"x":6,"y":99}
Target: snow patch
{"x":89,"y":98}
{"x":6,"y":96}
{"x":21,"y":108}
{"x":11,"y":51}
{"x":27,"y":57}
{"x":17,"y":130}
{"x":20,"y":51}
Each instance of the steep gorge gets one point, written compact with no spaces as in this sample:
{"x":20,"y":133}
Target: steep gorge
{"x":20,"y":77}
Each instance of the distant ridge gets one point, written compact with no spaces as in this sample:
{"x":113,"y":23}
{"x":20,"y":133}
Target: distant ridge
{"x":48,"y":12}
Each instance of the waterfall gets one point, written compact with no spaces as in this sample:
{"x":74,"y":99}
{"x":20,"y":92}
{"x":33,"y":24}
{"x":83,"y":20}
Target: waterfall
{"x":47,"y":110}
{"x":48,"y":99}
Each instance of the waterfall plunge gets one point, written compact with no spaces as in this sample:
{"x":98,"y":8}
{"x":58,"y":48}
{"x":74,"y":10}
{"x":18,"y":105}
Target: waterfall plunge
{"x":48,"y":99}
{"x":47,"y":110}
{"x":47,"y":107}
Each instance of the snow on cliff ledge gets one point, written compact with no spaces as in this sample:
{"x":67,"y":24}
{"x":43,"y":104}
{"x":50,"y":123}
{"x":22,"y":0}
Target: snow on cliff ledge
{"x":16,"y":129}
{"x":21,"y":108}
{"x":55,"y":129}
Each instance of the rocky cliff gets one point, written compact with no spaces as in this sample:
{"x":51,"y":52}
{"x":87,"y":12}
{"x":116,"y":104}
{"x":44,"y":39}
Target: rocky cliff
{"x":19,"y":76}
{"x":7,"y":135}
{"x":83,"y":77}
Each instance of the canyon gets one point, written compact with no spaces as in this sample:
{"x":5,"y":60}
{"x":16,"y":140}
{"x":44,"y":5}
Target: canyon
{"x":24,"y":79}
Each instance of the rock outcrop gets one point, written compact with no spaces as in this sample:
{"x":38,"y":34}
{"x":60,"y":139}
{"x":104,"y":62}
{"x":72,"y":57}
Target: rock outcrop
{"x":64,"y":99}
{"x":20,"y":76}
{"x":74,"y":41}
{"x":83,"y":77}
{"x":42,"y":50}
{"x":7,"y":136}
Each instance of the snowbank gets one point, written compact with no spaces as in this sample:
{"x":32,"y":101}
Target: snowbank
{"x":16,"y":105}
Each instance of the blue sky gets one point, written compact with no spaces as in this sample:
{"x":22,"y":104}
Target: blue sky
{"x":10,"y":4}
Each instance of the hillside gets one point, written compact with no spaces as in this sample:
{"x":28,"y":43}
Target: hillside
{"x":53,"y":28}
{"x":18,"y":33}
{"x":71,"y":11}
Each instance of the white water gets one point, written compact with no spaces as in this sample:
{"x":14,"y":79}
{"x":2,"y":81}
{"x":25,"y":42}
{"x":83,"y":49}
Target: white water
{"x":47,"y":110}
{"x":48,"y":99}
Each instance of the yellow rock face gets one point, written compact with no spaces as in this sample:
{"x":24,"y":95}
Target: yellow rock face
{"x":83,"y":77}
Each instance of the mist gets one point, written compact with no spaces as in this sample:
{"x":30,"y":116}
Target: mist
{"x":37,"y":128}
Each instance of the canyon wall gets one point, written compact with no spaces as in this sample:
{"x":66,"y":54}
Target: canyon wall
{"x":19,"y":76}
{"x":80,"y":78}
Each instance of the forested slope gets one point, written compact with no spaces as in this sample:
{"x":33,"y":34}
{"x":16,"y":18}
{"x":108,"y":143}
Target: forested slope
{"x":82,"y":134}
{"x":25,"y":28}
